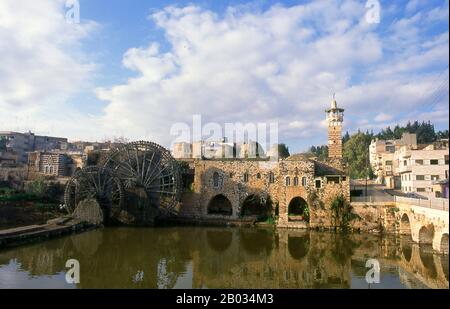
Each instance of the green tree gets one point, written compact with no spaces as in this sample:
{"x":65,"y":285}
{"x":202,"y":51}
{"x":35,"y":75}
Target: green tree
{"x":356,"y":155}
{"x":3,"y":142}
{"x":283,"y":151}
{"x":320,"y":152}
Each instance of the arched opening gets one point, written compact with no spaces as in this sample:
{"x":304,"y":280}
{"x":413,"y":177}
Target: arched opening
{"x":220,"y":205}
{"x":256,"y":242}
{"x":298,"y":246}
{"x":426,"y":255}
{"x":444,"y":244}
{"x":406,"y":247}
{"x":405,"y":225}
{"x":298,"y":210}
{"x":254,"y":206}
{"x":426,"y":235}
{"x":219,"y":240}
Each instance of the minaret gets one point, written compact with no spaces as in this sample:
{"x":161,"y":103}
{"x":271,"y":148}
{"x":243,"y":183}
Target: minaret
{"x":335,"y":117}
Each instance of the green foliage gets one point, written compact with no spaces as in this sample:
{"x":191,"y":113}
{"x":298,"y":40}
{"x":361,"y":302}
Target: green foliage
{"x":3,"y":142}
{"x":425,"y":132}
{"x":356,"y":155}
{"x":342,"y":212}
{"x":283,"y":151}
{"x":321,"y":152}
{"x":38,"y":187}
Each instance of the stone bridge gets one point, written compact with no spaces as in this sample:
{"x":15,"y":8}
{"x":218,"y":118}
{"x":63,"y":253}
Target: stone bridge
{"x":427,"y":226}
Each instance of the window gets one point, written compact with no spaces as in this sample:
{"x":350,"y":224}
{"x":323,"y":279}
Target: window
{"x":271,"y":178}
{"x":434,"y":162}
{"x":420,"y":177}
{"x":388,"y":162}
{"x":246,"y":177}
{"x":258,"y":176}
{"x":434,"y":177}
{"x":296,"y":181}
{"x":304,"y":181}
{"x":318,"y":183}
{"x":216,"y":179}
{"x":446,"y":159}
{"x":288,"y":181}
{"x":419,"y":162}
{"x":420,"y":189}
{"x":405,"y":162}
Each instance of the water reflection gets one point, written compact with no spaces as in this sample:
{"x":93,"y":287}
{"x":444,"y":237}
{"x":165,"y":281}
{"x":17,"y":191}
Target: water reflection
{"x":185,"y":257}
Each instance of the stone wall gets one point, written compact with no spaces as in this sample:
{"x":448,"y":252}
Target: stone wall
{"x":280,"y":182}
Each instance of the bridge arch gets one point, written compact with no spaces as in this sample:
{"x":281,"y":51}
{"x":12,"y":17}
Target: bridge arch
{"x":298,"y":209}
{"x":444,"y":244}
{"x":220,"y":205}
{"x":426,"y":234}
{"x":405,"y":225}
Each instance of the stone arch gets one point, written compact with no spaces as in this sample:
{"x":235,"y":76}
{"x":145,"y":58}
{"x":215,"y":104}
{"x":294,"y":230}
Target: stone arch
{"x":253,"y":206}
{"x":220,"y":205}
{"x":219,"y":240}
{"x":443,"y":246}
{"x":298,"y":246}
{"x":405,"y":225}
{"x":426,"y":235}
{"x":298,"y":209}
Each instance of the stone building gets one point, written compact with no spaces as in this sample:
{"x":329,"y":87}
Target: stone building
{"x":298,"y":190}
{"x":53,"y":164}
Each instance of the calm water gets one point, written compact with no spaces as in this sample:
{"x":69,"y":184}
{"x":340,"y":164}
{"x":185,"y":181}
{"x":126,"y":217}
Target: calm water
{"x":200,"y":257}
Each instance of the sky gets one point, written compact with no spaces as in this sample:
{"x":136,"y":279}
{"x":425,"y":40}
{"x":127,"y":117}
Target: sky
{"x":133,"y":69}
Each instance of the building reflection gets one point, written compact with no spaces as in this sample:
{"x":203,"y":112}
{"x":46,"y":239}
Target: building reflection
{"x":227,"y":258}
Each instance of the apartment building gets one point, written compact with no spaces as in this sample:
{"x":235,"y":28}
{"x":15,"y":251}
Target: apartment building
{"x":22,"y":143}
{"x":382,"y":157}
{"x":421,"y":169}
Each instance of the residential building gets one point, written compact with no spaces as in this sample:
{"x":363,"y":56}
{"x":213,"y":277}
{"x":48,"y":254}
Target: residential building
{"x":22,"y":143}
{"x":419,"y":169}
{"x":383,"y":160}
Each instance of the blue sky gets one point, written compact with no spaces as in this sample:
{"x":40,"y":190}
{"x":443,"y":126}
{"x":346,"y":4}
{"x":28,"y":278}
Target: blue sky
{"x":135,"y":68}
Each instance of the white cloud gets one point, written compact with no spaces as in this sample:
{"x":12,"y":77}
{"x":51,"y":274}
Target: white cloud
{"x":281,"y":64}
{"x":41,"y":66}
{"x":381,"y":117}
{"x":246,"y":65}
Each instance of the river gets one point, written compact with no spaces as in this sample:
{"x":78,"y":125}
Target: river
{"x":211,"y":257}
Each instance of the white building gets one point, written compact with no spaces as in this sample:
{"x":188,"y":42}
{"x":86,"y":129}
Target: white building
{"x":383,"y":158}
{"x":420,"y":169}
{"x":182,"y":150}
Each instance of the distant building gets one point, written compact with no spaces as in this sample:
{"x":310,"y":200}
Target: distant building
{"x":54,"y":164}
{"x":217,"y":150}
{"x":182,"y":151}
{"x":384,"y":161}
{"x":22,"y":143}
{"x":420,"y":169}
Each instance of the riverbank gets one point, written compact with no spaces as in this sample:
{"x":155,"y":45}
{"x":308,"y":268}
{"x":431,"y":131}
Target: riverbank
{"x":35,"y":233}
